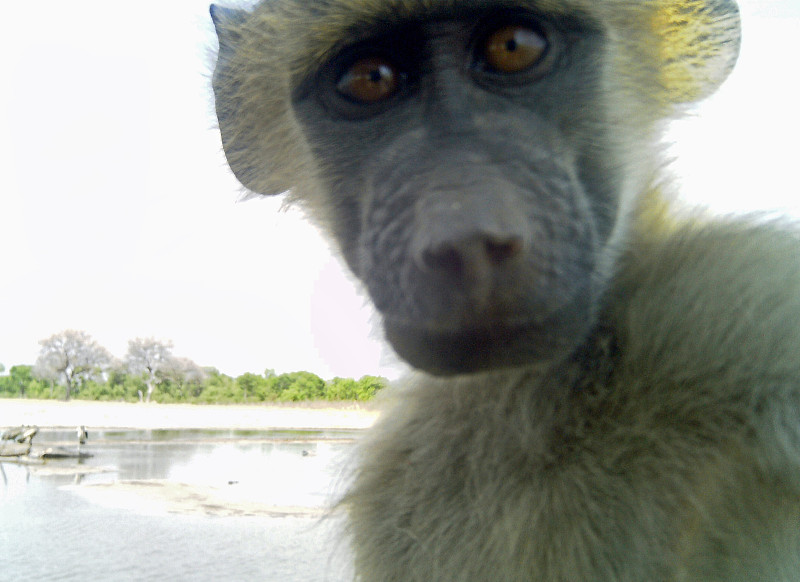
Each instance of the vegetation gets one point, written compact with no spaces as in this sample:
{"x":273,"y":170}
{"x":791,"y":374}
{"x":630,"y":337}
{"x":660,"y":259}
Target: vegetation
{"x":72,"y":365}
{"x":212,"y":387}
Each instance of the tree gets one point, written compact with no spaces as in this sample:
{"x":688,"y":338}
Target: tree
{"x":341,"y":389}
{"x":349,"y":389}
{"x":368,"y":386}
{"x":252,"y":385}
{"x":183,"y":373}
{"x":148,"y":356}
{"x":72,"y":357}
{"x":296,"y":386}
{"x":21,"y":377}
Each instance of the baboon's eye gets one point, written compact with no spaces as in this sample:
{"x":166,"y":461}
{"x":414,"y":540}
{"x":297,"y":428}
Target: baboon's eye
{"x":369,"y":80}
{"x":513,"y":48}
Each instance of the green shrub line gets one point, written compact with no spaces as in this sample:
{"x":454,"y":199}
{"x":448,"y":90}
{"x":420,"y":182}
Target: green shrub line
{"x":211,"y":387}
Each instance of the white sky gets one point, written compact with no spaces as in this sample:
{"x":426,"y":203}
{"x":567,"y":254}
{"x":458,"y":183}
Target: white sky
{"x":118,"y":214}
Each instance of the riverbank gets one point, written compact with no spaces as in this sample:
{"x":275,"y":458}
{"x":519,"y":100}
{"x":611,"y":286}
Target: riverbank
{"x":304,"y":415}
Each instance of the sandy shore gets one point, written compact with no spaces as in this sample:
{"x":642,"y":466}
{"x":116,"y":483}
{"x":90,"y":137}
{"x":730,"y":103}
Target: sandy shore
{"x":51,"y":413}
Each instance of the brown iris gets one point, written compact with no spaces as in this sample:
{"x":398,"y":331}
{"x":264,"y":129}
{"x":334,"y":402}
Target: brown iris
{"x":514,"y":48}
{"x":369,"y":80}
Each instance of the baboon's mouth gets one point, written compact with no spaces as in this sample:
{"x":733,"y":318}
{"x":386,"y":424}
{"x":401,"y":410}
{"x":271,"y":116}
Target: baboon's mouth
{"x":446,"y":353}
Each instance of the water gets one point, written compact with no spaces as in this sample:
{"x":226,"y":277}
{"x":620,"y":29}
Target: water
{"x":66,"y":520}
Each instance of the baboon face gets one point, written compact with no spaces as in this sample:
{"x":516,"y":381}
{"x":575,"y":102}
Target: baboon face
{"x":461,"y":161}
{"x":476,"y":161}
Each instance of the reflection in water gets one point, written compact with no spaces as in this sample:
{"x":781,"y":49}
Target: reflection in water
{"x":48,"y":532}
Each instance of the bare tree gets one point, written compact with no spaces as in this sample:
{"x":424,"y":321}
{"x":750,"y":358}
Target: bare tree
{"x":72,"y":357}
{"x":149,"y":356}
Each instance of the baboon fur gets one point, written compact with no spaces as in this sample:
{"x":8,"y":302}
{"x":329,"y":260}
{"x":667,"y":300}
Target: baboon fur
{"x":614,"y":394}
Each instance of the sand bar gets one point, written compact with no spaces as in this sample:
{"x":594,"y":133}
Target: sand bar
{"x":53,"y":413}
{"x":159,"y":497}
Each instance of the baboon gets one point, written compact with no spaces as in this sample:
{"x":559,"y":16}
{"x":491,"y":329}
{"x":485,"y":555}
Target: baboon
{"x":608,"y":389}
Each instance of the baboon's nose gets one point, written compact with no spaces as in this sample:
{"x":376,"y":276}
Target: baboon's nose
{"x":471,"y":264}
{"x":470,"y":257}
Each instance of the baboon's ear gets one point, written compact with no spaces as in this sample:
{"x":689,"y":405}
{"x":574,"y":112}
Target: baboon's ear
{"x":253,"y":122}
{"x":699,"y":46}
{"x":227,"y":22}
